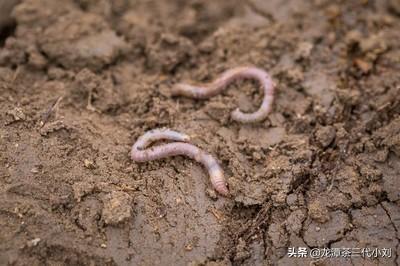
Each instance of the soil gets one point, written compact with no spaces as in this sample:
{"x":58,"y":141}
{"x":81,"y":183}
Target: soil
{"x":81,"y":80}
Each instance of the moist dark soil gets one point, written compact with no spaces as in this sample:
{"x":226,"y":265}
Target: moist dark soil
{"x":81,"y":80}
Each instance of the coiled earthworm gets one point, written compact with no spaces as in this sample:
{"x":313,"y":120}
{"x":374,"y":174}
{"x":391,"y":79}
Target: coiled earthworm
{"x":140,"y":154}
{"x":218,"y":85}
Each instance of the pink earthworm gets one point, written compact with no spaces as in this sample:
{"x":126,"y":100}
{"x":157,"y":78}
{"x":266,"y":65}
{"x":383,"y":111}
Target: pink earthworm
{"x":139,"y":153}
{"x":217,"y":86}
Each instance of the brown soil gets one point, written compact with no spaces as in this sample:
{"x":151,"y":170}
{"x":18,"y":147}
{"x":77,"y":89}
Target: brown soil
{"x":322,"y":171}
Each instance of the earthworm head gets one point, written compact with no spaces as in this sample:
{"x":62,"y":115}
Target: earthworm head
{"x":180,"y":89}
{"x":186,"y":138}
{"x":236,"y":113}
{"x":190,"y":91}
{"x":221,"y":186}
{"x":224,"y":191}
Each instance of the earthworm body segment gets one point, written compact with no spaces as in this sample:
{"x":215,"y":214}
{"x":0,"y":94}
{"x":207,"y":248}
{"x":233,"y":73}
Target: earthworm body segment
{"x":218,"y":85}
{"x":139,"y":153}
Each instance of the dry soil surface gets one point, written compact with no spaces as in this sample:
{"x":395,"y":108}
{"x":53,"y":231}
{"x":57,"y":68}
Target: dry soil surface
{"x":81,"y":80}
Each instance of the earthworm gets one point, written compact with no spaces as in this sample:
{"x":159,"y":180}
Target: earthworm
{"x":139,"y":153}
{"x":211,"y":89}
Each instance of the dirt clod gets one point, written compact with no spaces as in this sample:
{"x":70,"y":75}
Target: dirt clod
{"x":81,"y":189}
{"x":117,"y":207}
{"x":15,"y":115}
{"x":325,"y":135}
{"x":317,"y":234}
{"x":318,"y":211}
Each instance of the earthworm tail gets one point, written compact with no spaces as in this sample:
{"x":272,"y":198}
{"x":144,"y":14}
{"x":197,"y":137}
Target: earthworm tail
{"x":139,"y":153}
{"x":211,"y":89}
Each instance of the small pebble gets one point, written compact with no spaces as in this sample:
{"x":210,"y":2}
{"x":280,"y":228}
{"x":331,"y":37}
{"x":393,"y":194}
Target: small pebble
{"x":89,"y":164}
{"x":34,"y":170}
{"x":325,"y":135}
{"x":303,"y":50}
{"x":33,"y":242}
{"x":189,"y":247}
